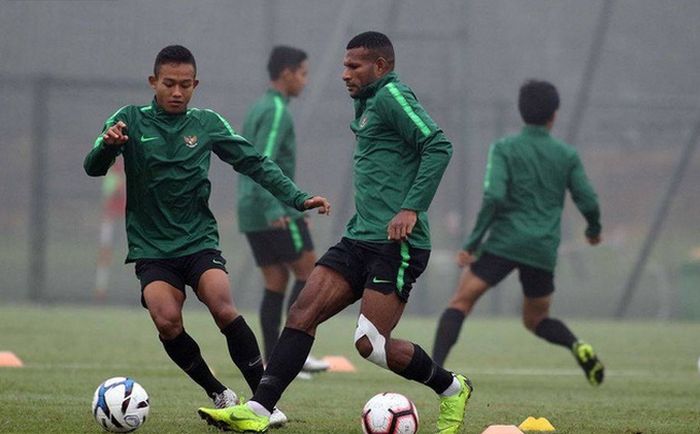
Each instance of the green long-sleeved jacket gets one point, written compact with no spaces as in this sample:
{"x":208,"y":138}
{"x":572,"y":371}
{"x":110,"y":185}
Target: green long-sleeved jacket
{"x":526,"y":179}
{"x":400,"y":157}
{"x":166,"y":162}
{"x":269,"y":127}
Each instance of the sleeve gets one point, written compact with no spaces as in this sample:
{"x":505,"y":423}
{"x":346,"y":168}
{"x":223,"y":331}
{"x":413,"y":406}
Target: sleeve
{"x":267,"y":136}
{"x":403,"y":112}
{"x":584,"y":197}
{"x":240,"y":153}
{"x":495,"y":190}
{"x":101,"y":157}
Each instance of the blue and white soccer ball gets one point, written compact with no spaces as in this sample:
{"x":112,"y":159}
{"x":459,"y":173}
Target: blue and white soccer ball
{"x":120,"y":405}
{"x":389,"y":413}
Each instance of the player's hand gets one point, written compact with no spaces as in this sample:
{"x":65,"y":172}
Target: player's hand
{"x":320,"y":202}
{"x":464,"y":258}
{"x":401,"y":226}
{"x":280,"y":223}
{"x":114,"y":136}
{"x":593,"y":241}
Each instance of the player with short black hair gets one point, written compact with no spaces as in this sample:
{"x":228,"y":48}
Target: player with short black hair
{"x":171,"y":232}
{"x":527,"y":176}
{"x":400,"y":157}
{"x":278,"y":234}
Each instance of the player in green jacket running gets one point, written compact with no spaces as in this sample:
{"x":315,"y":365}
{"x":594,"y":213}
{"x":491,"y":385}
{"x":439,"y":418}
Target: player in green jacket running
{"x":171,"y":232}
{"x":400,"y":157}
{"x":278,"y":234}
{"x":527,"y":176}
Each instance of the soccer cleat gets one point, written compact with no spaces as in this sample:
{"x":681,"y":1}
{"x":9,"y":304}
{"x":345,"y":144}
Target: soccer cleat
{"x":227,"y":398}
{"x":277,"y":418}
{"x":453,"y":408}
{"x":589,"y":362}
{"x":239,"y":418}
{"x":312,"y":364}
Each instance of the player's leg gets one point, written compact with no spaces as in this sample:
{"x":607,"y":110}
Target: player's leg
{"x":538,"y":286}
{"x":163,"y":295}
{"x":276,"y":278}
{"x":474,"y":281}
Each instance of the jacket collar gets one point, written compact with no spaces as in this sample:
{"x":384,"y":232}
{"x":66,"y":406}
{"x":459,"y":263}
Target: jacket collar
{"x":535,"y":130}
{"x":372,"y":88}
{"x":159,"y":112}
{"x":273,"y":91}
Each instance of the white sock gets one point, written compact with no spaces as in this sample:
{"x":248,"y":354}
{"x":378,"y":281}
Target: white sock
{"x":453,"y":388}
{"x":258,"y":408}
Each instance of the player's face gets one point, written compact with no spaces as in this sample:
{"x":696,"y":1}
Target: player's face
{"x":174,"y":86}
{"x":296,"y":80}
{"x":360,"y":68}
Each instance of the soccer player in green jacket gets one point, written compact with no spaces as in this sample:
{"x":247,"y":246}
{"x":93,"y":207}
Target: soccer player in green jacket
{"x":400,"y":157}
{"x":171,"y":232}
{"x":278,"y":234}
{"x":527,"y":176}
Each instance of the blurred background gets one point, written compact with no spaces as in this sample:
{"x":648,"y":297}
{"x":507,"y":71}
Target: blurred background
{"x":627,"y":72}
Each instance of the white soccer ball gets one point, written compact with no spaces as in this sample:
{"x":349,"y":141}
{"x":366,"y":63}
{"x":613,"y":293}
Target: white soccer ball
{"x":120,"y":405}
{"x":389,"y":413}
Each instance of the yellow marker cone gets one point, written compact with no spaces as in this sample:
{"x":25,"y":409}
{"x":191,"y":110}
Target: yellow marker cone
{"x":539,"y":424}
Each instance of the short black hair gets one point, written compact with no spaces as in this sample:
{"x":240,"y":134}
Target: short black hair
{"x":283,"y":57}
{"x":537,"y":102}
{"x":378,"y":43}
{"x":174,"y":54}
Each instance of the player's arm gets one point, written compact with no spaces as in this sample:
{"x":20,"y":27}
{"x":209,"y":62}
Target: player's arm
{"x":108,"y":145}
{"x":240,"y":153}
{"x":400,"y":109}
{"x":585,"y":199}
{"x":495,"y":190}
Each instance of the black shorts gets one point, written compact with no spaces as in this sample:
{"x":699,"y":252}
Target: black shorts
{"x":384,"y":267}
{"x":180,"y":271}
{"x":278,"y":246}
{"x":536,"y":282}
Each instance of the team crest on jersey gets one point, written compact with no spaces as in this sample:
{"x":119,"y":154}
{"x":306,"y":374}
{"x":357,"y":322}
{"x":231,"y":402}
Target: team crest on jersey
{"x":363,"y":121}
{"x":190,"y":141}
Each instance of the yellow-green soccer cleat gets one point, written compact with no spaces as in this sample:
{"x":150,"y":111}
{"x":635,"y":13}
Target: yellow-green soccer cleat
{"x":588,"y":360}
{"x":453,"y":408}
{"x":239,"y":418}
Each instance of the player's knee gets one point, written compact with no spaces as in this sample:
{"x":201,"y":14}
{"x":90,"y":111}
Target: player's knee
{"x":364,"y":347}
{"x":370,"y":343}
{"x":168,"y":327}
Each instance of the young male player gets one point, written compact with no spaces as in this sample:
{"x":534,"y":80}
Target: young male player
{"x":171,"y":232}
{"x":278,"y":234}
{"x":400,"y":157}
{"x":526,"y":180}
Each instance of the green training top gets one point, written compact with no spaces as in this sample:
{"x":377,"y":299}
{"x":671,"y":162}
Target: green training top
{"x":166,"y":161}
{"x":526,"y":179}
{"x":400,"y":157}
{"x":270,"y":129}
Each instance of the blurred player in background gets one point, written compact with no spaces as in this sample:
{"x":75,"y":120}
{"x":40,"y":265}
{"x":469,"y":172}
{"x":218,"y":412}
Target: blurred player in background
{"x":113,"y":204}
{"x":171,"y":232}
{"x":400,"y":157}
{"x":277,"y":233}
{"x":525,"y":185}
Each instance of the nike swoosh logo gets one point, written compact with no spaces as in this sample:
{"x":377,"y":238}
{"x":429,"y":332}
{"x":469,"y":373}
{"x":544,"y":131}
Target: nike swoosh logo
{"x":375,"y":280}
{"x":255,"y":362}
{"x":217,"y":262}
{"x":148,"y":139}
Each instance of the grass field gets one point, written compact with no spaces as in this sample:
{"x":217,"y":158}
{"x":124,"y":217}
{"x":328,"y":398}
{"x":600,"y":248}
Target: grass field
{"x":652,"y":386}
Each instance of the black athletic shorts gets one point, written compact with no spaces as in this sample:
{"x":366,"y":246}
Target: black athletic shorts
{"x":180,"y":271}
{"x":278,"y":246}
{"x":536,"y":282}
{"x":384,"y":267}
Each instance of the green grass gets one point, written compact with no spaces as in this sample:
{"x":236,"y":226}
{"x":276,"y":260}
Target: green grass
{"x":653,"y":385}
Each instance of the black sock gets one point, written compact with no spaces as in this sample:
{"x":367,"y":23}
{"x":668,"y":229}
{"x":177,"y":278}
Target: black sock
{"x":447,"y":333}
{"x":184,"y":351}
{"x":244,"y":351}
{"x":286,"y":362}
{"x":556,"y":332}
{"x":270,"y":318}
{"x":424,"y":370}
{"x":296,"y":289}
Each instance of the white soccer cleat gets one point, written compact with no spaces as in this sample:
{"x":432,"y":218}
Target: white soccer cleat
{"x":227,"y":398}
{"x":312,"y":364}
{"x":277,"y":418}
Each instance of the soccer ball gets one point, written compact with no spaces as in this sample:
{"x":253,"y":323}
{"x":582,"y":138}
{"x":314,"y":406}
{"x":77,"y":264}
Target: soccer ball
{"x":389,"y":413}
{"x":120,"y":405}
